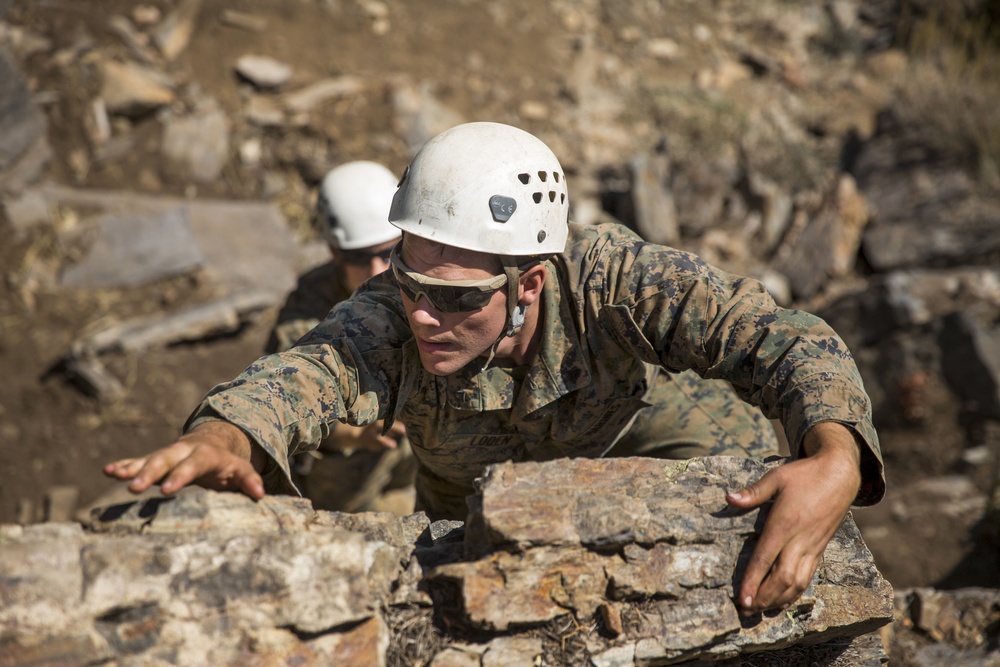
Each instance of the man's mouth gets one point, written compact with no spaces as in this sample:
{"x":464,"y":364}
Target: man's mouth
{"x":432,"y":346}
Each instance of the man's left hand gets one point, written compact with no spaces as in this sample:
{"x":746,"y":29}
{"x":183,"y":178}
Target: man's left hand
{"x":811,"y":497}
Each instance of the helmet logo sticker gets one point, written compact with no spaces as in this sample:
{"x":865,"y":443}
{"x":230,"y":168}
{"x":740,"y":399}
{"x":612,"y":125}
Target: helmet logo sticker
{"x":502,"y":207}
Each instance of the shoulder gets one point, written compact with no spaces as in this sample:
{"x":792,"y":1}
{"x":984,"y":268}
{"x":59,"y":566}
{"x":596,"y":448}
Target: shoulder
{"x":586,"y":239}
{"x":613,"y":251}
{"x":375,"y":310}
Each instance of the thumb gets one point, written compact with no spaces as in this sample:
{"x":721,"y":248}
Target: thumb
{"x":754,"y":495}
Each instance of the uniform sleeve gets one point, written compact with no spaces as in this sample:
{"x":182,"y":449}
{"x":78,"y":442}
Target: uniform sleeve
{"x":344,"y":370}
{"x":672,"y":308}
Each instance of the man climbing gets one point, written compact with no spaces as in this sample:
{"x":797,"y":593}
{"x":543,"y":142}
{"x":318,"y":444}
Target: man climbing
{"x":503,"y":332}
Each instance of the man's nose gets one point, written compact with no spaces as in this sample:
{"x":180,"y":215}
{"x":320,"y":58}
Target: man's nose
{"x":424,"y":312}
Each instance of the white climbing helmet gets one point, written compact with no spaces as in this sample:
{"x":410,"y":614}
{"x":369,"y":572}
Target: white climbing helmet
{"x":353,"y":205}
{"x":487,"y":187}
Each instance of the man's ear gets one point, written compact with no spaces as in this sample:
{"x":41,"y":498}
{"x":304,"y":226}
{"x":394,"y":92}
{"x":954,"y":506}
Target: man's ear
{"x":530,"y":284}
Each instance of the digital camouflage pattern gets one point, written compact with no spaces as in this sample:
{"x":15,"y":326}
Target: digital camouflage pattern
{"x":335,"y":479}
{"x":613,"y":306}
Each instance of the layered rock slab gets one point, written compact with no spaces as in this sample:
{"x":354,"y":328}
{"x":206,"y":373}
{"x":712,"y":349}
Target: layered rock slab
{"x":655,"y":543}
{"x":607,"y":562}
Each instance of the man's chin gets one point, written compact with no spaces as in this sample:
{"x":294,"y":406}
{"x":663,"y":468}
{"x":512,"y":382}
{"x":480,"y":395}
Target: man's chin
{"x":442,"y":367}
{"x":439,"y":367}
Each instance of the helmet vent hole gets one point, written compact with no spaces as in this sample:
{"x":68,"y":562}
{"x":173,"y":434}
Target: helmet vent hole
{"x":524,"y":178}
{"x":562,"y":198}
{"x":542,"y":176}
{"x":552,"y":195}
{"x":555,"y":175}
{"x":537,"y":197}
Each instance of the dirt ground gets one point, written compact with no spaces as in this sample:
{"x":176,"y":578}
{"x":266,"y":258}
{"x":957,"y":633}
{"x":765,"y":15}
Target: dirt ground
{"x":51,"y":434}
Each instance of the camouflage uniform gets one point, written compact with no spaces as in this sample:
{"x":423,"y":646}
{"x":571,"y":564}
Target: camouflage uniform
{"x":349,"y":481}
{"x":612,"y":306}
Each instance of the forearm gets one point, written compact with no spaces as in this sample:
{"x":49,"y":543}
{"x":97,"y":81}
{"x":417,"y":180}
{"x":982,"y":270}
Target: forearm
{"x":285,"y":404}
{"x":833,"y":439}
{"x":795,"y":367}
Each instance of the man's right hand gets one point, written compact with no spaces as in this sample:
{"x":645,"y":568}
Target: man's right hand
{"x":215,"y":455}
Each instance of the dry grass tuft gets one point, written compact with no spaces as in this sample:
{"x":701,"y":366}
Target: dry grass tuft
{"x":952,"y":91}
{"x":414,"y":639}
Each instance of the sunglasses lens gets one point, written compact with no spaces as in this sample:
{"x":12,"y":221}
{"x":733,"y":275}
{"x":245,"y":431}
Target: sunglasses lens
{"x":446,"y":298}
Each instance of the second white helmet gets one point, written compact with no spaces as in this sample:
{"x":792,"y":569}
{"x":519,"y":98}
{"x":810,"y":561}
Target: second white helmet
{"x":487,"y":187}
{"x":353,"y":205}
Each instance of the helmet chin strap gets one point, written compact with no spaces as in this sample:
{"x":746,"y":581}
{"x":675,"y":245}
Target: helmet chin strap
{"x":515,"y":311}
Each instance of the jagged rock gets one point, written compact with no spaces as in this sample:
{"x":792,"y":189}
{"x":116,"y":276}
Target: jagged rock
{"x":131,"y":89}
{"x":504,"y":651}
{"x":455,"y":657}
{"x":196,"y":510}
{"x":93,"y":379}
{"x":828,"y":246}
{"x":556,"y":538}
{"x":264,"y":111}
{"x":202,"y":574}
{"x":775,"y":206}
{"x":174,"y":32}
{"x":306,"y":99}
{"x":906,"y":302}
{"x":233,"y":581}
{"x":219,"y":316}
{"x":655,"y":211}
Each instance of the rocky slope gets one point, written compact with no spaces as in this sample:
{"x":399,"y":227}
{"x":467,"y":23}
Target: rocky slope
{"x":843,"y":152}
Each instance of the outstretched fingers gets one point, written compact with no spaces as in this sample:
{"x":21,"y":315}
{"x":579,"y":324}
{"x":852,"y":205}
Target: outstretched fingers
{"x":158,"y":466}
{"x":212,"y":467}
{"x":145,"y":471}
{"x":125,"y":468}
{"x":215,"y":455}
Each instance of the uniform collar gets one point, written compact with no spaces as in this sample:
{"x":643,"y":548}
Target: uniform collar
{"x":559,"y":367}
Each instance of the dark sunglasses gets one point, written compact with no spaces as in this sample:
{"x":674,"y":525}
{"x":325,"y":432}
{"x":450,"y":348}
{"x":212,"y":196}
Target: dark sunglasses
{"x":447,"y":296}
{"x":363,"y":256}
